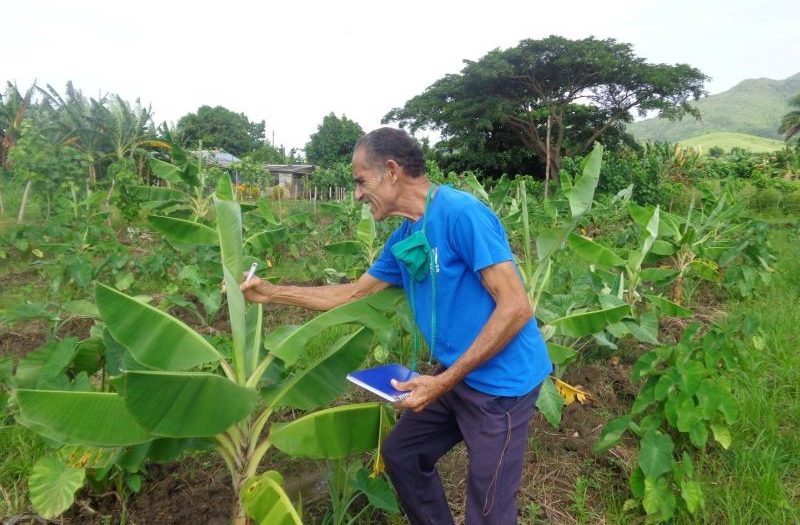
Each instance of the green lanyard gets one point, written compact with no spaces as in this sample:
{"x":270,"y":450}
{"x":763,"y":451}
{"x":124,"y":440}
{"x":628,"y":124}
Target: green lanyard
{"x":416,"y":255}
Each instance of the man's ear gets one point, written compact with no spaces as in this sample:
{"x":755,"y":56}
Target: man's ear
{"x":393,"y":168}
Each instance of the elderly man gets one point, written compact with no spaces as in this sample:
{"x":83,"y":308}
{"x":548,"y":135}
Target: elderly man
{"x":453,"y":260}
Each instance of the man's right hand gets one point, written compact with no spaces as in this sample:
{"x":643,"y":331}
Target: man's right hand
{"x":257,"y":290}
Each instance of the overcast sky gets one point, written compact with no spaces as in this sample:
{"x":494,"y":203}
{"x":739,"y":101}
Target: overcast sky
{"x":290,"y":63}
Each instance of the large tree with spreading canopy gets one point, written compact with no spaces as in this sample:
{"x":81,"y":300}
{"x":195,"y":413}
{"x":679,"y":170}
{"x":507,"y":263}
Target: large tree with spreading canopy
{"x":588,"y":88}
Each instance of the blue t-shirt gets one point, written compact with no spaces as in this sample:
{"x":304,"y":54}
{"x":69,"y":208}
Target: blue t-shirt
{"x":466,"y":237}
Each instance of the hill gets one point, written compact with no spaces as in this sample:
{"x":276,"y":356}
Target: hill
{"x":727,"y":141}
{"x":752,"y":107}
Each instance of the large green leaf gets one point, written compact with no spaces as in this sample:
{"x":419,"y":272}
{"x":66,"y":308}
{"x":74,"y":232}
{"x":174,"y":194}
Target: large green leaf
{"x":254,"y":324}
{"x":80,"y":418}
{"x":236,"y":309}
{"x":549,"y":241}
{"x":155,"y":193}
{"x":365,"y":230}
{"x":612,"y":433}
{"x":667,"y":307}
{"x":655,"y":453}
{"x":265,"y":501}
{"x":52,"y":486}
{"x":155,"y":338}
{"x":229,"y":228}
{"x":322,"y":381}
{"x":181,"y":231}
{"x":550,"y":403}
{"x":39,"y":369}
{"x":268,"y":239}
{"x":588,"y":323}
{"x":560,"y":355}
{"x":651,"y":234}
{"x":593,"y":252}
{"x":180,"y":405}
{"x":581,"y":194}
{"x":225,"y":188}
{"x":289,"y":343}
{"x":165,"y":170}
{"x":658,"y":498}
{"x":332,"y":433}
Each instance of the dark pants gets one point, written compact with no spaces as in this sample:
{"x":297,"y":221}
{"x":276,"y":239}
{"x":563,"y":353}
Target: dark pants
{"x":495,"y":431}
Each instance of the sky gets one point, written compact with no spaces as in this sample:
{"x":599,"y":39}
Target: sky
{"x":291,"y":63}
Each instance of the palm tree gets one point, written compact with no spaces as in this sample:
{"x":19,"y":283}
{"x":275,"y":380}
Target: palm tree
{"x":790,"y":125}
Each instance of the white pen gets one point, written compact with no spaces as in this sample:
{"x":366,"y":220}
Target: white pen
{"x":251,"y":272}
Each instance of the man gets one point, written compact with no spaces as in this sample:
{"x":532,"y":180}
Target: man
{"x":470,"y":304}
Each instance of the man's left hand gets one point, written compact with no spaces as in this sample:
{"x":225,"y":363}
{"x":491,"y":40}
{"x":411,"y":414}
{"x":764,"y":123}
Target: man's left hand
{"x":424,"y":391}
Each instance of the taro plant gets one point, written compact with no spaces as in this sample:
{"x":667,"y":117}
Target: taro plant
{"x":684,"y":402}
{"x":173,"y":385}
{"x":360,"y":253}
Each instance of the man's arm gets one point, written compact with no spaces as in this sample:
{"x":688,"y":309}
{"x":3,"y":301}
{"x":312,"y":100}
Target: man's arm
{"x":314,"y":297}
{"x":511,"y":313}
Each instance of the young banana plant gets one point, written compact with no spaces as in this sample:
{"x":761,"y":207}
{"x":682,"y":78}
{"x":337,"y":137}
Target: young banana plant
{"x":176,"y":385}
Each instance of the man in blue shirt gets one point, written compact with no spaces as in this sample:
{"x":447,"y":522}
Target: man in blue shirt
{"x":471,"y":307}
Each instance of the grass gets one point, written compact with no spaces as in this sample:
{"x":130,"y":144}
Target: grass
{"x":726,"y":141}
{"x":758,"y":480}
{"x":19,"y":450}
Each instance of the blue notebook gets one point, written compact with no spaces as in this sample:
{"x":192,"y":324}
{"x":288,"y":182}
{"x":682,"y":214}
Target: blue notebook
{"x":377,"y":380}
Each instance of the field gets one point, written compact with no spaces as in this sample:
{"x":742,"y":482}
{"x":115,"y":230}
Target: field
{"x":728,"y":141}
{"x":674,"y":396}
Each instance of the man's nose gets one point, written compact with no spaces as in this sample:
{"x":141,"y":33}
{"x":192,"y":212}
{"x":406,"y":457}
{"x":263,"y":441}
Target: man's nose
{"x":358,"y":194}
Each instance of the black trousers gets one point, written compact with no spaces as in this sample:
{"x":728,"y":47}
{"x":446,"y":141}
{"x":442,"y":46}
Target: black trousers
{"x":495,"y":431}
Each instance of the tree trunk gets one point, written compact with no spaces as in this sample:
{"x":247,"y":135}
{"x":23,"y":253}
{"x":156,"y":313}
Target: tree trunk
{"x":24,"y":203}
{"x":677,"y":290}
{"x":2,"y":208}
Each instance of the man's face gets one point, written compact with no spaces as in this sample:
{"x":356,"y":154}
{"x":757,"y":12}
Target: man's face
{"x":373,"y":186}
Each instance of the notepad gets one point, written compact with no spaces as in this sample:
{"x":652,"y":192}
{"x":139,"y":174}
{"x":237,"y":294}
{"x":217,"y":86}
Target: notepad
{"x":378,"y":380}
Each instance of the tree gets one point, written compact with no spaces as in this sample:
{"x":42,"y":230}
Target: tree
{"x":790,"y":125}
{"x":587,"y":88}
{"x":221,"y":128}
{"x":333,"y":142}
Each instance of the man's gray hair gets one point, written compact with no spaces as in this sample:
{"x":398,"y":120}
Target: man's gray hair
{"x":383,"y":144}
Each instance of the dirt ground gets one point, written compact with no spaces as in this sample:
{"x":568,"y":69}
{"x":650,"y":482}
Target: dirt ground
{"x":196,"y":490}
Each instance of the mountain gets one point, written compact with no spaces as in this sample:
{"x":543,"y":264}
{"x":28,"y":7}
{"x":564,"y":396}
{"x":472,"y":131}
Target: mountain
{"x":728,"y":141}
{"x":754,"y":107}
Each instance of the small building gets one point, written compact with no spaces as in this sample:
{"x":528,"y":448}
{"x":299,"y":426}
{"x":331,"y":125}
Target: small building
{"x":291,"y":177}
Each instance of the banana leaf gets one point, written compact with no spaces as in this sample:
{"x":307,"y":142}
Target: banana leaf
{"x":182,"y":231}
{"x":165,"y":170}
{"x":80,"y":418}
{"x":265,"y":501}
{"x":323,"y":381}
{"x":332,"y":433}
{"x":345,"y":248}
{"x":667,"y":307}
{"x":651,"y":231}
{"x":269,"y":239}
{"x":183,"y":405}
{"x":581,"y":194}
{"x":236,"y":309}
{"x":289,"y":343}
{"x":593,"y":252}
{"x":588,"y":323}
{"x":155,"y":193}
{"x":229,"y":228}
{"x":154,"y":338}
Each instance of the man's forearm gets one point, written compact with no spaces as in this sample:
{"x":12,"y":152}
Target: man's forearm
{"x":315,"y":297}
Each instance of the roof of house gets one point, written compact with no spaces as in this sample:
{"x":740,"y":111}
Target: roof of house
{"x":296,"y":169}
{"x":218,"y":157}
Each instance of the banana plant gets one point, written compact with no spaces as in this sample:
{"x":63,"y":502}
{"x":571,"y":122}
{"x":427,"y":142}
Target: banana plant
{"x":173,"y":384}
{"x":536,"y":274}
{"x":364,"y":249}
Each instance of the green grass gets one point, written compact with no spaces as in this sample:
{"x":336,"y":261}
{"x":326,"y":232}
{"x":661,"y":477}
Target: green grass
{"x":19,"y":450}
{"x":726,"y":141}
{"x":757,"y":481}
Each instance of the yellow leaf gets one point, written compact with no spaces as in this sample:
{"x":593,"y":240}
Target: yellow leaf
{"x":571,"y":393}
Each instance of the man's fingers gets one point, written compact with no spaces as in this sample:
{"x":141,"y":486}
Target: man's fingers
{"x":403,"y":386}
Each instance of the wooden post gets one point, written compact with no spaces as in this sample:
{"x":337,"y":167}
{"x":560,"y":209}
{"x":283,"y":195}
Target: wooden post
{"x":547,"y":167}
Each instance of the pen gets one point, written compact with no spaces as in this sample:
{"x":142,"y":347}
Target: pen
{"x":251,"y":272}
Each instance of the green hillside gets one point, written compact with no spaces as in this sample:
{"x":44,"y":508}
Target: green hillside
{"x":726,"y":141}
{"x":752,"y":107}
